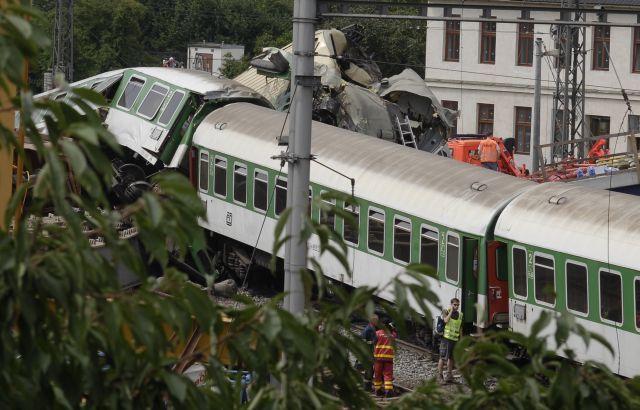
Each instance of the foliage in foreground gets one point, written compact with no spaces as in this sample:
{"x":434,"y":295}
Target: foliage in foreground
{"x":70,"y":337}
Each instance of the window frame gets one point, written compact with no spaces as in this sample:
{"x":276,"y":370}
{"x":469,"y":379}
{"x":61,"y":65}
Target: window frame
{"x":422,"y":235}
{"x":600,"y":41}
{"x":446,"y":258}
{"x":331,"y":202}
{"x":483,"y":121}
{"x":396,"y":219}
{"x":489,"y":36}
{"x":159,"y":84}
{"x":384,"y":229}
{"x":555,"y":282}
{"x":635,"y":43}
{"x":238,"y":166}
{"x":526,"y":273}
{"x":636,"y":297}
{"x":566,"y":287}
{"x":175,"y":112}
{"x":522,"y":125}
{"x":226,"y":174}
{"x":200,"y":160}
{"x":528,"y":37}
{"x":266,"y":181}
{"x":347,"y":208}
{"x":275,"y":201}
{"x":137,"y":77}
{"x":452,"y":31}
{"x":609,"y":321}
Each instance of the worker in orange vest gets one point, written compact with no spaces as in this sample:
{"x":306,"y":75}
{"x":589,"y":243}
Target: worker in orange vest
{"x":383,"y":354}
{"x":489,"y":152}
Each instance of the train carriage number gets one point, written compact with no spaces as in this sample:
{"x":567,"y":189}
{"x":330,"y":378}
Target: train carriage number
{"x":443,"y":245}
{"x":229,"y":219}
{"x":530,"y":264}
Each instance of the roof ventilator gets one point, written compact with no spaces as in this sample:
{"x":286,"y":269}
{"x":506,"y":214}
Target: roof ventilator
{"x":557,"y":200}
{"x":478,"y":186}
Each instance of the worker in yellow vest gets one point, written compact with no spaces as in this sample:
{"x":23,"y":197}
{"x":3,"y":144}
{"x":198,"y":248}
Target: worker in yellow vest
{"x":452,"y":332}
{"x":489,"y":152}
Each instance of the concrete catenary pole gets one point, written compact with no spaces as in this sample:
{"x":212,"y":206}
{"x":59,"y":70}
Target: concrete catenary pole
{"x":535,"y":157}
{"x":304,"y":20}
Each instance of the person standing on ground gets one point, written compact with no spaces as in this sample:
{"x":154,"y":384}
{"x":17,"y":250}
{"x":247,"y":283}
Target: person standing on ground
{"x":383,"y":355}
{"x":489,"y":152}
{"x":369,"y":336}
{"x":452,"y":332}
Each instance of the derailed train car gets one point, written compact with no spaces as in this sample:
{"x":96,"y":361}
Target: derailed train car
{"x":507,"y":248}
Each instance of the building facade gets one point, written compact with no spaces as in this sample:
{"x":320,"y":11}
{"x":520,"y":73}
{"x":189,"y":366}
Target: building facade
{"x":486,"y":70}
{"x":210,"y":57}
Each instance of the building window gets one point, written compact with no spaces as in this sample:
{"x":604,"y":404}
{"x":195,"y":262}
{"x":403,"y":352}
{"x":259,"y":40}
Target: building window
{"x":376,"y":231}
{"x":523,"y":130}
{"x":598,"y":125}
{"x":636,"y":50}
{"x":634,"y":123}
{"x":545,"y":284}
{"x":610,"y":296}
{"x":429,"y":247}
{"x":601,"y":47}
{"x":451,"y":39}
{"x":204,"y":171}
{"x":452,"y":105}
{"x":220,"y":177}
{"x":525,"y":44}
{"x":349,"y":231}
{"x":519,"y":272}
{"x":402,"y":240}
{"x":281,"y":195}
{"x":488,"y":42}
{"x":453,"y":258}
{"x":240,"y":183}
{"x":260,"y":190}
{"x":577,"y":288}
{"x":485,"y":119}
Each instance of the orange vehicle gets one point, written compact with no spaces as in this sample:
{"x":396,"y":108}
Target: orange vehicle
{"x":465,"y":148}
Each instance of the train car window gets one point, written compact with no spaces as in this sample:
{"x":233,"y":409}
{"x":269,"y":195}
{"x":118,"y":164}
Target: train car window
{"x":171,"y":108}
{"x":519,"y":272}
{"x":453,"y":258}
{"x":429,"y":247}
{"x":328,"y":217}
{"x":220,"y":177}
{"x":545,"y":281}
{"x":349,"y":231}
{"x":375,"y":240}
{"x":401,"y":240}
{"x":637,"y":286}
{"x":260,"y":190}
{"x":153,"y":100}
{"x":610,"y":296}
{"x":240,"y":183}
{"x":204,"y":171}
{"x":577,"y":288}
{"x":131,"y":92}
{"x":281,"y":195}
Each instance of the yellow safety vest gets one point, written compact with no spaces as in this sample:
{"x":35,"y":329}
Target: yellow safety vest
{"x":452,"y":328}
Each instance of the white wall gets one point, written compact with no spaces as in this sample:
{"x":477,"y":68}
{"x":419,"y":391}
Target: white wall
{"x":507,"y":85}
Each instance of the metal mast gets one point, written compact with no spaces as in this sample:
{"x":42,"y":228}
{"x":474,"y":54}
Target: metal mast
{"x":568,"y":100}
{"x":63,"y":40}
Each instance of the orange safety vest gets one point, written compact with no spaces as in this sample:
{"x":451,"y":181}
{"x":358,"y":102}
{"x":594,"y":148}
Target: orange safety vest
{"x":488,"y":150}
{"x":384,"y":346}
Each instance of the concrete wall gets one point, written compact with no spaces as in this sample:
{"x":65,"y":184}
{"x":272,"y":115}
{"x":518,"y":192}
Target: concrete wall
{"x":507,"y":85}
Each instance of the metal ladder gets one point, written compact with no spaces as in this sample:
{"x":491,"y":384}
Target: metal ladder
{"x":406,"y":133}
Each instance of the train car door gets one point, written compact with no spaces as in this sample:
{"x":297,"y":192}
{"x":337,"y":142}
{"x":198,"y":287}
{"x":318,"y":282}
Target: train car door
{"x":497,"y":277}
{"x":469,"y":296}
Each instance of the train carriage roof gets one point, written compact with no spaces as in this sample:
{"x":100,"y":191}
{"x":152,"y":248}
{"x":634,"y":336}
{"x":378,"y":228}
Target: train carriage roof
{"x":590,"y":223}
{"x":418,"y":183}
